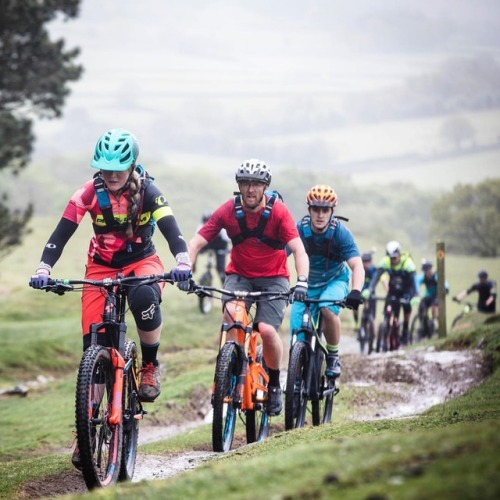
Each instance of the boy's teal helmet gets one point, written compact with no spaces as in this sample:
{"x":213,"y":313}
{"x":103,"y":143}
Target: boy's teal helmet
{"x":117,"y":149}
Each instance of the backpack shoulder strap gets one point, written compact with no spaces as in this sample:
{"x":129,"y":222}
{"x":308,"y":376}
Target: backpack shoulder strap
{"x":103,"y":199}
{"x":257,"y":232}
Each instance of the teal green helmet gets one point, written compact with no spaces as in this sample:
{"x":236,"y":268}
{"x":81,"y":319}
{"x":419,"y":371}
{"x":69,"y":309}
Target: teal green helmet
{"x":117,"y":149}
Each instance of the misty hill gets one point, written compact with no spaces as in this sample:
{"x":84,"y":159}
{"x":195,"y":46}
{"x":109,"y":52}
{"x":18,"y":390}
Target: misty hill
{"x":327,"y":86}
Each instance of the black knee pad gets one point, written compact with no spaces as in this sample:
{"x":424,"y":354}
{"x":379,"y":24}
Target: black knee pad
{"x":144,"y":302}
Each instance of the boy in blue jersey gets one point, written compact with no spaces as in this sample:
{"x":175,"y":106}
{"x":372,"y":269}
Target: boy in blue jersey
{"x":333,"y":254}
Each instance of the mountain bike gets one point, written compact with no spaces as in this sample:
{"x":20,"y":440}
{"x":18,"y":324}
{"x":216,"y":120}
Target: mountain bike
{"x":388,"y":335}
{"x":205,"y":302}
{"x":366,"y":334}
{"x":241,"y":378}
{"x":306,"y":379}
{"x":468,"y":307}
{"x":422,"y":325}
{"x":108,"y":409}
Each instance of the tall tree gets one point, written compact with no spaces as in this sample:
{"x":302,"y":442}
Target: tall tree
{"x":468,"y":219}
{"x":34,"y":72}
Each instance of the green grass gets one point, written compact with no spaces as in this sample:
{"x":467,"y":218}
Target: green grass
{"x":40,"y":336}
{"x":450,"y":451}
{"x":39,"y":422}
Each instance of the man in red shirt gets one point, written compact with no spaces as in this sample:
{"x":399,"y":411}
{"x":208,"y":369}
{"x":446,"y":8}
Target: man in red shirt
{"x":259,"y":225}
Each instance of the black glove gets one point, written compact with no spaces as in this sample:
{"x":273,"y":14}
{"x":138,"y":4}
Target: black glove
{"x":300,"y":291}
{"x":354,"y":299}
{"x":185,"y":286}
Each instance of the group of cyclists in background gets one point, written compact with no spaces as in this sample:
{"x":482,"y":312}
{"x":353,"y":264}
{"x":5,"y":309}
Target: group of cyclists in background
{"x":402,"y":288}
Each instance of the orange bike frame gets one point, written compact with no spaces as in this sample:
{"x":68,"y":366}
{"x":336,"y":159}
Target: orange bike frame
{"x":116,"y":405}
{"x":253,"y":391}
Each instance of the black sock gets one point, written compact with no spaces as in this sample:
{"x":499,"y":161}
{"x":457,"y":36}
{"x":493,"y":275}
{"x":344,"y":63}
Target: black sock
{"x":149,"y":353}
{"x":274,"y":377}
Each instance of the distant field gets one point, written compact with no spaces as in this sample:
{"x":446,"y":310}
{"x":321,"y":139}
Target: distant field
{"x":440,"y":174}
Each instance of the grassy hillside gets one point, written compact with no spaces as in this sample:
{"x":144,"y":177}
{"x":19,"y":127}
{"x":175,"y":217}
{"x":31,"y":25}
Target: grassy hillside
{"x":451,"y":451}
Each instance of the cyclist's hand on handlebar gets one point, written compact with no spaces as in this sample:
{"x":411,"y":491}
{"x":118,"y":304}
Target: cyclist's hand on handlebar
{"x":186,"y":285}
{"x":300,"y":291}
{"x":39,"y":281}
{"x":41,"y":277}
{"x":182,"y":269}
{"x":354,"y":299}
{"x":181,"y":272}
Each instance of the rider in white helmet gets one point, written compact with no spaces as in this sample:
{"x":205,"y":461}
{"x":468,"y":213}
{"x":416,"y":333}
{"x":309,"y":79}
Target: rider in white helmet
{"x":401,"y":269}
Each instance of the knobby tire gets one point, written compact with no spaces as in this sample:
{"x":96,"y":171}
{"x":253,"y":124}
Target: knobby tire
{"x":257,"y":420}
{"x":131,"y":408}
{"x":100,"y":444}
{"x":382,"y":336}
{"x":322,"y":408}
{"x":296,"y":389}
{"x":370,"y":333}
{"x":415,"y":327}
{"x":224,"y":413}
{"x":366,"y":335}
{"x":394,"y":338}
{"x":362,"y":337}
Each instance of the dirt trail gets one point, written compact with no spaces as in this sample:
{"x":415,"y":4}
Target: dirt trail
{"x":390,"y":385}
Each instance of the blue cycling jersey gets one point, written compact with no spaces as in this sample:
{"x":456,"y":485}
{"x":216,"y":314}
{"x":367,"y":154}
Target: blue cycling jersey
{"x":340,"y":245}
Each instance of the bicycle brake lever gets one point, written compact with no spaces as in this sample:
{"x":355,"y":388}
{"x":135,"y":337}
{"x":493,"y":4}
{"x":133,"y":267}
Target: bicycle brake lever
{"x":59,"y":288}
{"x":200,"y":291}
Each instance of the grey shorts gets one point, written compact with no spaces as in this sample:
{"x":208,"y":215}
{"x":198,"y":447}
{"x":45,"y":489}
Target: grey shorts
{"x":271,"y":312}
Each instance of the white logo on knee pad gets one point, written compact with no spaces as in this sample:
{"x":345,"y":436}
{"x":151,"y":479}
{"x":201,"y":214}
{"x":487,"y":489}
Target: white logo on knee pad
{"x":149,"y":313}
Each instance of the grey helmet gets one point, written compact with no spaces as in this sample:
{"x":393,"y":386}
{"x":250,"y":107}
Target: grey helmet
{"x":253,"y":170}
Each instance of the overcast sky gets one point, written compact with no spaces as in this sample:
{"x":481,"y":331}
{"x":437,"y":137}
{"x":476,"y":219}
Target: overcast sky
{"x":160,"y":60}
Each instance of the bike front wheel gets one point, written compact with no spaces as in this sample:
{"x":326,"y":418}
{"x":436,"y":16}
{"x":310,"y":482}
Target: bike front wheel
{"x":205,"y":302}
{"x":382,"y":337}
{"x":362,"y":337}
{"x":99,"y":442}
{"x":394,"y":337}
{"x":415,"y":329}
{"x":132,"y":412}
{"x":370,"y":333}
{"x":322,"y":405}
{"x":257,"y":420}
{"x":224,"y":411}
{"x":296,"y":387}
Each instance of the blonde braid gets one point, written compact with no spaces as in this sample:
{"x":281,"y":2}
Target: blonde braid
{"x":134,"y":201}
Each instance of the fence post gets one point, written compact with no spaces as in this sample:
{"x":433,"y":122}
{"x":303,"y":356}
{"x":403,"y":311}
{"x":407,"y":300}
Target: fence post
{"x":440,"y":259}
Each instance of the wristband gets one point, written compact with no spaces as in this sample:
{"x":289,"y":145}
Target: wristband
{"x":183,"y":258}
{"x":43,"y":268}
